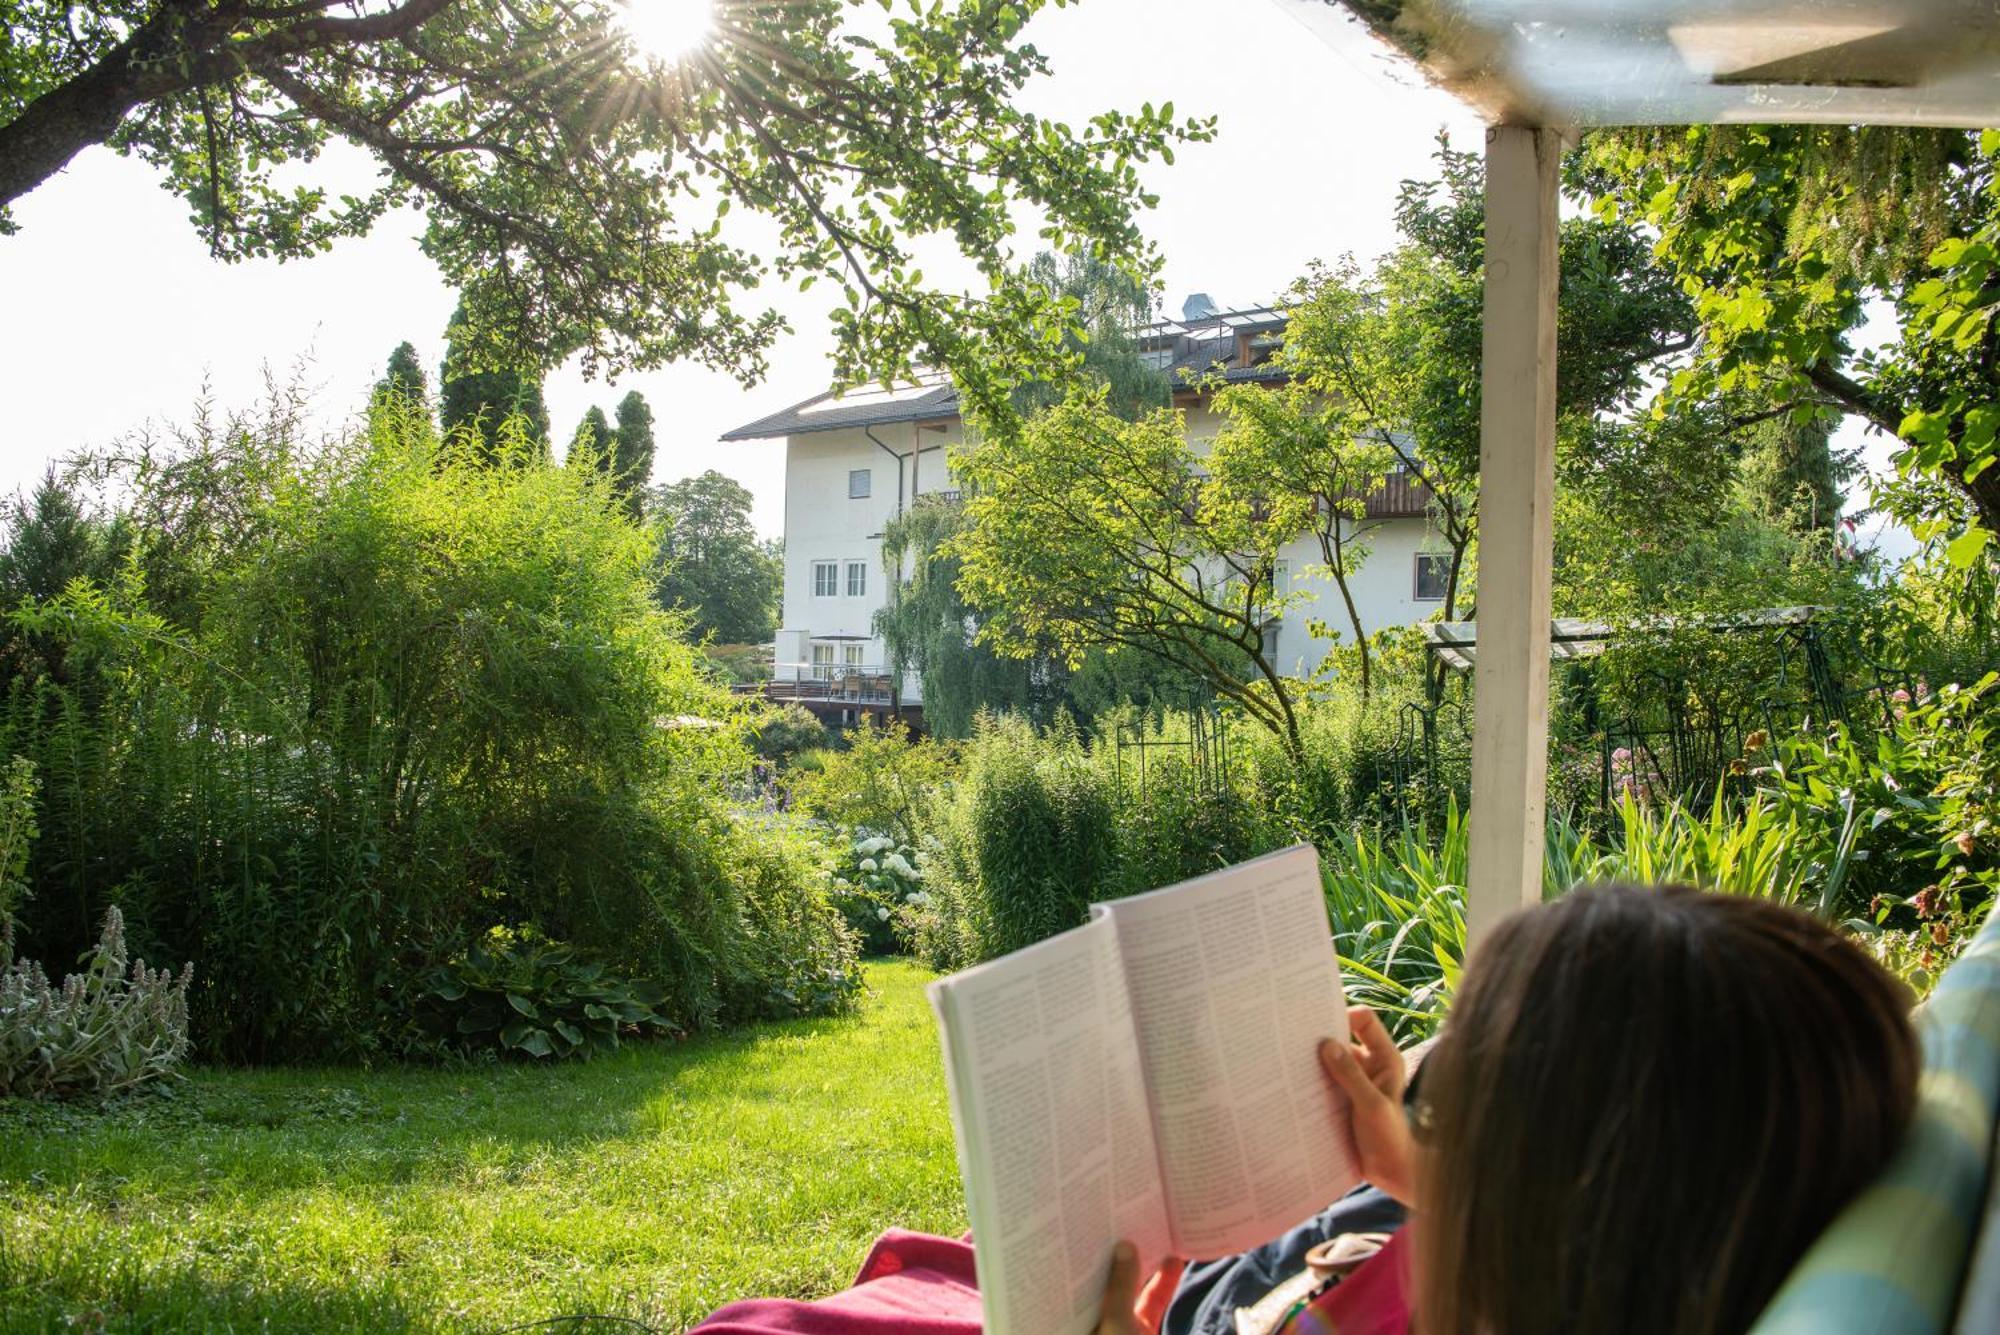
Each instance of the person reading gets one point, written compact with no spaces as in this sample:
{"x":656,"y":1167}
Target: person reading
{"x":1644,"y":1107}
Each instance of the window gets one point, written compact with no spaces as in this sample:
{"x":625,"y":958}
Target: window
{"x":826,"y":579}
{"x":851,"y":655}
{"x":822,"y":662}
{"x":857,"y":579}
{"x":860,"y":483}
{"x":1432,"y":572}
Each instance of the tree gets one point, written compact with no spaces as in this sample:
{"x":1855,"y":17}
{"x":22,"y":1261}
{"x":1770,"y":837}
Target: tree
{"x":1087,"y":531}
{"x":930,"y":629}
{"x":633,"y":461}
{"x":1788,"y":237}
{"x":1399,"y":348}
{"x":592,"y":444}
{"x":714,"y":566}
{"x":1794,"y":472}
{"x":1304,"y":459}
{"x":574,"y":188}
{"x":927,"y":625}
{"x":484,"y":402}
{"x":1108,"y":308}
{"x":404,"y":380}
{"x":49,"y":542}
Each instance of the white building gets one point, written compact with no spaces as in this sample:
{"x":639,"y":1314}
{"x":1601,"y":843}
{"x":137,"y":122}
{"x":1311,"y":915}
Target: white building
{"x":855,"y":461}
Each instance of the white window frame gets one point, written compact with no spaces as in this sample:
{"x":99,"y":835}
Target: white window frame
{"x":1417,"y":593}
{"x":822,"y":662}
{"x":826,"y":579}
{"x":851,"y":655}
{"x":857,"y":579}
{"x":860,"y":483}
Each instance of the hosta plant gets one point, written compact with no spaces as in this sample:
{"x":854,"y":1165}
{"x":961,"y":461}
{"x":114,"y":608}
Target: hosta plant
{"x":520,"y":997}
{"x":112,"y":1027}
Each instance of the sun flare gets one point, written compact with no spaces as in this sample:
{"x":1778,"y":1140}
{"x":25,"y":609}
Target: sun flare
{"x":668,"y":31}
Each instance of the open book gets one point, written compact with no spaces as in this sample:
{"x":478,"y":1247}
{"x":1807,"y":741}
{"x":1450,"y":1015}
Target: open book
{"x":1152,"y":1075}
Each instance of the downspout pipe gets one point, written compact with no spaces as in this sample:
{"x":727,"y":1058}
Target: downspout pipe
{"x":895,"y":684}
{"x":869,"y":432}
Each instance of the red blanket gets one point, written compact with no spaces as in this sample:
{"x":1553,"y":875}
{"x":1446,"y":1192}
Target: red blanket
{"x":916,"y":1284}
{"x":911,"y":1284}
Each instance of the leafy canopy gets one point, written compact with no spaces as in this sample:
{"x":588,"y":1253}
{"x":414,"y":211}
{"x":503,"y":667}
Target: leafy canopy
{"x":1786,"y":238}
{"x":576,"y":191}
{"x":1087,"y":531}
{"x":715,"y":567}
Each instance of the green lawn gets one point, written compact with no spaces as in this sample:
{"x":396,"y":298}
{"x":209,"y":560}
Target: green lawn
{"x":655,"y":1184}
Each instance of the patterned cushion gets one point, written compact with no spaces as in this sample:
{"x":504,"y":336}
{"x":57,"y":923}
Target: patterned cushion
{"x":1979,"y":1305}
{"x":1896,"y":1258}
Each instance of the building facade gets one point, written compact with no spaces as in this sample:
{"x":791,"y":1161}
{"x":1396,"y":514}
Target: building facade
{"x":856,"y":461}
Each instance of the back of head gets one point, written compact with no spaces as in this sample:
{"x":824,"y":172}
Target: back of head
{"x":1646,"y":1105}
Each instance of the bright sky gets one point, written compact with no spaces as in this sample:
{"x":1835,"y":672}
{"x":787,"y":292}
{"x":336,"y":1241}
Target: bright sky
{"x":118,"y":317}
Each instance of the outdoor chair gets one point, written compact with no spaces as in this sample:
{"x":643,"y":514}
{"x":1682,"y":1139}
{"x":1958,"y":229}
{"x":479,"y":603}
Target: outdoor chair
{"x":1919,"y":1251}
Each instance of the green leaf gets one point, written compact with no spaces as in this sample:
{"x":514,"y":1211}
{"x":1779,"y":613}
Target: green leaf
{"x":1966,"y":548}
{"x":523,"y":1005}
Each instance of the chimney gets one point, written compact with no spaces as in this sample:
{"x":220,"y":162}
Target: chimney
{"x":1200,"y":306}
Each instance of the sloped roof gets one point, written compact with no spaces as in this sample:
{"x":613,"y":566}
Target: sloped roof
{"x":1184,"y":350}
{"x":827,"y":412}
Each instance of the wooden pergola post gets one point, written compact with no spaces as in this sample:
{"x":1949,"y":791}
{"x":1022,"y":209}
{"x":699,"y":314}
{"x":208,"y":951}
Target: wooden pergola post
{"x":1517,"y":452}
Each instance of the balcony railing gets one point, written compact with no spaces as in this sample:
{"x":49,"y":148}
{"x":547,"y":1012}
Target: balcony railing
{"x":839,"y":683}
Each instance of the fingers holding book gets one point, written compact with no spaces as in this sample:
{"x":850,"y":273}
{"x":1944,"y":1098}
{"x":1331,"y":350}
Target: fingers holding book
{"x":1369,"y":1071}
{"x":1129,"y":1309}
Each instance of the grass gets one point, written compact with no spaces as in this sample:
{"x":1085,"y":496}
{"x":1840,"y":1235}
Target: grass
{"x":655,"y":1185}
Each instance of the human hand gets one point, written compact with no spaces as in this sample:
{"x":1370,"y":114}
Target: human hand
{"x":1369,"y":1070}
{"x":1127,"y":1310}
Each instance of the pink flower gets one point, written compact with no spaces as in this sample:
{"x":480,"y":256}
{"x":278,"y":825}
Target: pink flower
{"x":1622,"y":754}
{"x":1900,"y":696}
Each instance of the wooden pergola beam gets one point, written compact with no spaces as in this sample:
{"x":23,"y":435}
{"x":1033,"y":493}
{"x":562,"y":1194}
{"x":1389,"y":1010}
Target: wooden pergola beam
{"x":1517,"y":473}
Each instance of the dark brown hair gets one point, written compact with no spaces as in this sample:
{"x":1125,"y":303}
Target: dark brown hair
{"x":1646,"y":1105}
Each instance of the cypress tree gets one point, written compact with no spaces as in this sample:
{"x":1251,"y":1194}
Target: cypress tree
{"x":482,"y":401}
{"x":633,"y":461}
{"x":405,"y":376}
{"x":1794,"y":470}
{"x":593,"y":443}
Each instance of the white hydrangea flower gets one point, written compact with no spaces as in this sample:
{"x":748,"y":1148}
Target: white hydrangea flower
{"x":870,"y":847}
{"x":883,"y":914}
{"x":868,"y":864}
{"x":898,"y":864}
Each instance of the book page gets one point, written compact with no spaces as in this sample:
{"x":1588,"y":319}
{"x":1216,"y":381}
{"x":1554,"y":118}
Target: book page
{"x":1054,"y":1140}
{"x":1233,"y":982}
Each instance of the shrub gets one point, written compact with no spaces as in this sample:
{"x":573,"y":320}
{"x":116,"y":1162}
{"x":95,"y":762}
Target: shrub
{"x":1025,"y":840}
{"x":1182,"y":808}
{"x":877,"y":889}
{"x":1365,"y":762}
{"x":352,"y":705}
{"x":787,"y":732}
{"x":881,"y":782}
{"x":517,"y":996}
{"x":105,"y":1030}
{"x":799,"y":957}
{"x":17,"y":840}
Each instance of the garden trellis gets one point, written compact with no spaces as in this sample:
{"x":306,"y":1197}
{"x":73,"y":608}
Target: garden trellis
{"x":1669,"y":734}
